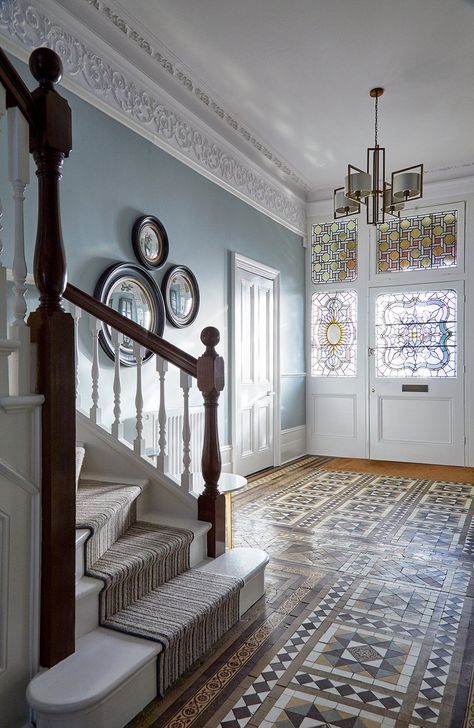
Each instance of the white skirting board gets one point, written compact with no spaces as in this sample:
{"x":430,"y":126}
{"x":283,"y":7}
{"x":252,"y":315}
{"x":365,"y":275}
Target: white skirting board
{"x":293,"y":443}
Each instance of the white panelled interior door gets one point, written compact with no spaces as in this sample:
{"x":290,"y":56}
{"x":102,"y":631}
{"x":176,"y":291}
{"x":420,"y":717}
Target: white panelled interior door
{"x":416,"y":373}
{"x":256,"y":378}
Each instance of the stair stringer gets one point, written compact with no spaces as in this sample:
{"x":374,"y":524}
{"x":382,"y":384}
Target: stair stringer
{"x":106,"y":456}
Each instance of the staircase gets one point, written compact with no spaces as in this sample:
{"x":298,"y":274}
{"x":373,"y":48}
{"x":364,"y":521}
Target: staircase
{"x":147,"y":607}
{"x":153,"y":588}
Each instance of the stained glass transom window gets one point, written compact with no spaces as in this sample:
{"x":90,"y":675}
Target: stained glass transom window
{"x":417,"y":243}
{"x":416,"y":334}
{"x":334,"y":252}
{"x":333,"y":332}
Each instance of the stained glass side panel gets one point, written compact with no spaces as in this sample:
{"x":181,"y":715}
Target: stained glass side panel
{"x":333,"y":334}
{"x":416,"y":334}
{"x":334,"y":252}
{"x":419,"y":242}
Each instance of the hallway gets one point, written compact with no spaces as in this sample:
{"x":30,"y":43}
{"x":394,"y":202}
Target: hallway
{"x":369,"y":600}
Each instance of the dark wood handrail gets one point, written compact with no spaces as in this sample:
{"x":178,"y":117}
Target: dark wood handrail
{"x":128,"y":328}
{"x":17,"y":92}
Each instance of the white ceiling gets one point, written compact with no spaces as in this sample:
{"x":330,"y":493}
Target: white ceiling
{"x":297,"y":74}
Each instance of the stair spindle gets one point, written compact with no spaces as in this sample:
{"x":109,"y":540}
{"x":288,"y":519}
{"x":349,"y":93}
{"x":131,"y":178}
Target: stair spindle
{"x":186,"y":382}
{"x":19,"y":175}
{"x":139,"y":442}
{"x":117,"y":426}
{"x":95,"y":412}
{"x":162,"y":458}
{"x":4,"y":344}
{"x":76,"y":314}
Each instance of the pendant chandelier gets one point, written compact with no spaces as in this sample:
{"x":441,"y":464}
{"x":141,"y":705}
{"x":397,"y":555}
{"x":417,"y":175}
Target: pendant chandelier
{"x":369,"y":188}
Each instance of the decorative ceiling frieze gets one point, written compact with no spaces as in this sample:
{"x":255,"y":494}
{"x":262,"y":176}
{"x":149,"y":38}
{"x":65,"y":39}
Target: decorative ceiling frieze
{"x":95,"y":72}
{"x":183,"y":75}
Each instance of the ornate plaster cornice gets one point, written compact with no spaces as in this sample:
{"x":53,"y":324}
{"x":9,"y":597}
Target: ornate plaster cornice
{"x":182,"y":75}
{"x":116,"y":87}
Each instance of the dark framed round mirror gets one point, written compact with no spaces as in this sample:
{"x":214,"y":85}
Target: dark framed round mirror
{"x":150,"y":242}
{"x":132,"y":292}
{"x":181,"y":293}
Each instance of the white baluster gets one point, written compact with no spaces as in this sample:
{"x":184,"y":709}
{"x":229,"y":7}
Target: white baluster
{"x":19,"y":175}
{"x":95,"y":412}
{"x":117,"y":426}
{"x":186,"y":382}
{"x":5,"y":348}
{"x":76,"y":314}
{"x":139,"y":442}
{"x":162,"y":457}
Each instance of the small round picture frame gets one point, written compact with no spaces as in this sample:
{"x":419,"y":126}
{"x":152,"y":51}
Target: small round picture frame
{"x":181,"y":295}
{"x":132,"y":292}
{"x":150,"y":242}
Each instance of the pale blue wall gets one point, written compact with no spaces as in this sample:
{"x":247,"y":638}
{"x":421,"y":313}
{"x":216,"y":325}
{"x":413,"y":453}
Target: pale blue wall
{"x":113,"y":176}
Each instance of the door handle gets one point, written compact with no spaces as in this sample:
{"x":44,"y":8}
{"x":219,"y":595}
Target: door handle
{"x":270,"y":394}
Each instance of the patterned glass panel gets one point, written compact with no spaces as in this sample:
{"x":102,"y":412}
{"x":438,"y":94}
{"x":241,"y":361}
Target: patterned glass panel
{"x":416,"y":334}
{"x":334,"y":252}
{"x":333,"y":334}
{"x":417,"y":243}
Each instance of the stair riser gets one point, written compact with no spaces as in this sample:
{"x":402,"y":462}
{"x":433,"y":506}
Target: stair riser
{"x":87,"y":614}
{"x":115,"y":711}
{"x":198,"y":549}
{"x":252,"y":591}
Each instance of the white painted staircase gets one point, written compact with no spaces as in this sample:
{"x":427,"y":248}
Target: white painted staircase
{"x":112,"y":676}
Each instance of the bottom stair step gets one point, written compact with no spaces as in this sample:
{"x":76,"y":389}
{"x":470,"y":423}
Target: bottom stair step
{"x":242,"y":563}
{"x":104,"y":684}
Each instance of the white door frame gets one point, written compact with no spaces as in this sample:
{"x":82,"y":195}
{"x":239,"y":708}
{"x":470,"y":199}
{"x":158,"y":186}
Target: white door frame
{"x":241,"y":262}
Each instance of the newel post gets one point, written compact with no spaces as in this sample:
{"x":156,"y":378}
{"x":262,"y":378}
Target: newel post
{"x":52,"y":331}
{"x":210,"y":381}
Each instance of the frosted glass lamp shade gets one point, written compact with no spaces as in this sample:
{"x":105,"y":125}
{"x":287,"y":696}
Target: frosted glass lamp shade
{"x":358,"y":185}
{"x":343,"y":205}
{"x":406,"y":185}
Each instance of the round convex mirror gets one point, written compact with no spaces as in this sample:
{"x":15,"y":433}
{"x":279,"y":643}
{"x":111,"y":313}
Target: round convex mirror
{"x":181,"y":294}
{"x":131,"y":292}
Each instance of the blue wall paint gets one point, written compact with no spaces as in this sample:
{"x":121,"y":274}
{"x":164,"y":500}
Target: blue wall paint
{"x":112,"y":176}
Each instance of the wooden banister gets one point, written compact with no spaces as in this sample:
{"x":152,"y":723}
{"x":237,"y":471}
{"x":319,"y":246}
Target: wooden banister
{"x":131,"y":330}
{"x":17,"y":92}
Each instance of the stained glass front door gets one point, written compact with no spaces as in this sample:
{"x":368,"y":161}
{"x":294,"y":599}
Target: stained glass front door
{"x":416,"y":374}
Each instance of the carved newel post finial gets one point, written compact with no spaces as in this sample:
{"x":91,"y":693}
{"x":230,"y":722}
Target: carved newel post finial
{"x":210,"y":381}
{"x":50,"y":143}
{"x":46,"y":67}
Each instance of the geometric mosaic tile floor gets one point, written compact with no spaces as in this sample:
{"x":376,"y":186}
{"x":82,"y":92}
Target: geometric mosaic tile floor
{"x":366,"y":620}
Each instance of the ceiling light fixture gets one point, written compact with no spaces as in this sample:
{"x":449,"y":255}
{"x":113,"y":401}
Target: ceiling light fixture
{"x":369,"y":188}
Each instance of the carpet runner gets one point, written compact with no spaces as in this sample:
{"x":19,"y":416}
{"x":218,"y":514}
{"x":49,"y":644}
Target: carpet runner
{"x":149,"y":590}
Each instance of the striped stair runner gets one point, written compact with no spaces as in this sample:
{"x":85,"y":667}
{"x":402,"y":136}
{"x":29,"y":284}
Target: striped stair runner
{"x":149,"y":590}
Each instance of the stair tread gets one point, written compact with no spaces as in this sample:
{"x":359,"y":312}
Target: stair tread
{"x":145,"y":556}
{"x":187,"y":615}
{"x":87,"y":585}
{"x":166,"y":519}
{"x":108,"y":511}
{"x":103,"y":661}
{"x":242,"y":563}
